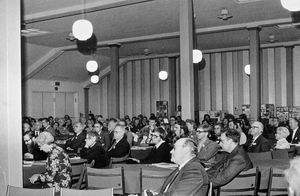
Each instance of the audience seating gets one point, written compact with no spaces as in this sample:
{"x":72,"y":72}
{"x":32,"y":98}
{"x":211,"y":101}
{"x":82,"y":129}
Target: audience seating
{"x":74,"y":192}
{"x":277,"y":183}
{"x":260,"y":156}
{"x":17,"y":191}
{"x":103,"y":178}
{"x":246,"y":183}
{"x":280,"y":154}
{"x":151,"y":179}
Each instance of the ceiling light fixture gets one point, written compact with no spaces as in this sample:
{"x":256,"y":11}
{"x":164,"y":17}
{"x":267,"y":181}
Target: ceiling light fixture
{"x":291,"y":5}
{"x":82,"y":29}
{"x":224,"y":14}
{"x":94,"y":79}
{"x":92,"y":66}
{"x":163,"y":75}
{"x":197,"y":54}
{"x":247,"y":69}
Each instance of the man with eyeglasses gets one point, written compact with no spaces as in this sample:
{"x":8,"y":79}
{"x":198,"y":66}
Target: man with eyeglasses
{"x":31,"y":150}
{"x":236,"y":161}
{"x":161,"y":150}
{"x":257,"y":143}
{"x":120,"y":146}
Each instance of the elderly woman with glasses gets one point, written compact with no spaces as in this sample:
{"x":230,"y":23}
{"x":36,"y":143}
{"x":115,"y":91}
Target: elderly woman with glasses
{"x":58,"y":167}
{"x":207,"y":149}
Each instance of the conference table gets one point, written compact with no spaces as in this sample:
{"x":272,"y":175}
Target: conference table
{"x":38,"y":167}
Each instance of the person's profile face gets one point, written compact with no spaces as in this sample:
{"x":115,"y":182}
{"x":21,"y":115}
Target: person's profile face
{"x":231,"y":125}
{"x":155,"y":137}
{"x":27,"y":140}
{"x":177,"y":152}
{"x":152,"y":123}
{"x":118,"y":133}
{"x":224,"y":142}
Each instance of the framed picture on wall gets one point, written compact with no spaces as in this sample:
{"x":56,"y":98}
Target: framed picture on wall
{"x":162,"y":108}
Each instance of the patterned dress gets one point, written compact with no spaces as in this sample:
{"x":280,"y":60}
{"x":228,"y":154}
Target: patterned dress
{"x":58,"y":169}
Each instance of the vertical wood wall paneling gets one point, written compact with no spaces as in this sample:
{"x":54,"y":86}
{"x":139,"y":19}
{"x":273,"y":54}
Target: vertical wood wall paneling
{"x":240,"y":71}
{"x":218,"y":74}
{"x":146,"y":89}
{"x":138,"y":86}
{"x":164,"y":85}
{"x":133,"y":81}
{"x":229,"y":63}
{"x":178,"y":90}
{"x":121,"y":91}
{"x":172,"y":85}
{"x":155,"y":67}
{"x":100,"y":86}
{"x":224,"y":67}
{"x":125,"y":89}
{"x":289,"y":76}
{"x":246,"y":78}
{"x":235,"y":82}
{"x":264,"y":77}
{"x":296,"y":78}
{"x":271,"y":75}
{"x":201,"y":85}
{"x":207,"y":85}
{"x":129,"y":89}
{"x":213,"y":81}
{"x":277,"y":76}
{"x":283,"y":76}
{"x":105,"y":96}
{"x":152,"y":87}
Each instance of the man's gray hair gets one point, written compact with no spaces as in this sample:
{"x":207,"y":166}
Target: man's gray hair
{"x":191,"y":144}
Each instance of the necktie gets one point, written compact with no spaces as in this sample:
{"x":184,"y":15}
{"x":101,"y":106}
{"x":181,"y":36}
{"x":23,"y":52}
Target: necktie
{"x":113,"y":146}
{"x":171,"y":181}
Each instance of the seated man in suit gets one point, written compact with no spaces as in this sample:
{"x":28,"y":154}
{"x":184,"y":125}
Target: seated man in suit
{"x":233,"y":163}
{"x":75,"y":143}
{"x":281,"y":135}
{"x":31,"y":150}
{"x":103,"y":135}
{"x":207,"y":149}
{"x":258,"y":143}
{"x":190,"y":178}
{"x":94,"y":151}
{"x":294,"y":136}
{"x":47,"y":127}
{"x":161,"y":150}
{"x":144,"y":135}
{"x":120,"y":146}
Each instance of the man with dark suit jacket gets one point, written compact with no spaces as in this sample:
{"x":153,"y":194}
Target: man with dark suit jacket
{"x":120,"y":147}
{"x":257,"y":143}
{"x":190,"y":178}
{"x":233,"y":163}
{"x":47,"y":127}
{"x":103,"y":135}
{"x":93,"y":151}
{"x":294,"y":136}
{"x":78,"y":140}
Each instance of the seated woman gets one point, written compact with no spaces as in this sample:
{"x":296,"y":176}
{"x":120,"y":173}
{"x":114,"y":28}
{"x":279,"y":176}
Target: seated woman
{"x":207,"y":149}
{"x":94,"y":151}
{"x":281,"y":134}
{"x":58,"y":166}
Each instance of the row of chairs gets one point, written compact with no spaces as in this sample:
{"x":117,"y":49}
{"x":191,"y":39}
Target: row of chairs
{"x":247,"y":183}
{"x":92,"y":178}
{"x":17,"y":191}
{"x":275,"y":154}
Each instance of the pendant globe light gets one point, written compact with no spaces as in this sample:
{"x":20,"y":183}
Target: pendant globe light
{"x":92,"y":65}
{"x":197,"y":54}
{"x":82,"y":29}
{"x":291,"y":5}
{"x":94,"y":79}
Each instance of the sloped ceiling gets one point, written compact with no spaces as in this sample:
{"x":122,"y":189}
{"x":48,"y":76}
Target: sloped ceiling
{"x":139,"y":25}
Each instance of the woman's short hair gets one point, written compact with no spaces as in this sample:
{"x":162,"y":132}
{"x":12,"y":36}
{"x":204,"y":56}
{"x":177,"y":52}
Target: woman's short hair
{"x":292,"y":175}
{"x":285,"y":132}
{"x":44,"y":138}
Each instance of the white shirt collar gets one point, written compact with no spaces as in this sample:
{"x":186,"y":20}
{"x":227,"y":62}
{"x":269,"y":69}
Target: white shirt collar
{"x":183,"y":164}
{"x":158,"y":145}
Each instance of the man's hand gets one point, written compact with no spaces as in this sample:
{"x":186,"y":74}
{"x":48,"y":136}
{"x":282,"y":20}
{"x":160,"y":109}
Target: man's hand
{"x":28,"y":156}
{"x":34,"y":178}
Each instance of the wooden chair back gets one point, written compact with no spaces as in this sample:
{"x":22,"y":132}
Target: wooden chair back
{"x":17,"y":191}
{"x":260,"y":156}
{"x":277,"y":182}
{"x":280,"y":154}
{"x":246,"y":183}
{"x":74,"y":192}
{"x":152,"y":179}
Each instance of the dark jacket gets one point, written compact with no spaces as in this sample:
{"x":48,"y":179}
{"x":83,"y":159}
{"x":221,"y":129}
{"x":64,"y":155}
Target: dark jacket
{"x":104,"y":139}
{"x":161,"y":154}
{"x":191,"y":180}
{"x":261,"y":144}
{"x":208,"y":151}
{"x":229,"y":167}
{"x":120,"y":149}
{"x":76,"y":141}
{"x":296,"y":139}
{"x":96,"y":153}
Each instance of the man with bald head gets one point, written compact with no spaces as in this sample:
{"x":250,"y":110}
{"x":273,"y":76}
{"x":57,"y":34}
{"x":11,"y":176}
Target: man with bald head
{"x":190,"y":178}
{"x":257,"y":143}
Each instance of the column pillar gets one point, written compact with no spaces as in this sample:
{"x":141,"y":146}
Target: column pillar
{"x":114,"y":98}
{"x":186,"y":59}
{"x":289,"y":76}
{"x":10,"y":98}
{"x":86,"y":102}
{"x":255,"y":83}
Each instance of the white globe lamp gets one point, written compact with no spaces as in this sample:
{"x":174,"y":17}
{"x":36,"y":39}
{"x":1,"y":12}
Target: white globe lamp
{"x":247,"y":69}
{"x":163,"y":75}
{"x":82,"y":29}
{"x":94,"y":79}
{"x":92,"y":66}
{"x":291,"y":5}
{"x":197,"y":56}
